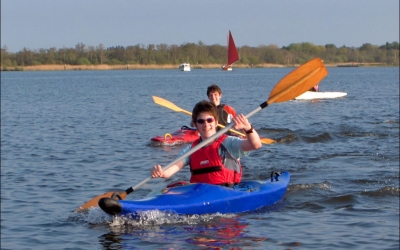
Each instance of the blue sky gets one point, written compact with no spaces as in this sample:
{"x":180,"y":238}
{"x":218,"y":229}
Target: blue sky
{"x":36,"y":24}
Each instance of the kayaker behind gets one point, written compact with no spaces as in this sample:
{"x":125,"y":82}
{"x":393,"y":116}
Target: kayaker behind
{"x":225,"y":112}
{"x":219,"y":161}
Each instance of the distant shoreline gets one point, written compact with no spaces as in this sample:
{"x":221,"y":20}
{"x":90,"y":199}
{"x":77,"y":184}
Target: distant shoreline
{"x":60,"y":67}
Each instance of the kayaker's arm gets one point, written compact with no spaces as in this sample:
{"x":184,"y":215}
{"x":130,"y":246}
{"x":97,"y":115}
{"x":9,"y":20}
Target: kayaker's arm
{"x":253,"y":140}
{"x":157,"y":171}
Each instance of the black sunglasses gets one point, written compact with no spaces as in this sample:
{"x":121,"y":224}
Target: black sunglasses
{"x":201,"y":121}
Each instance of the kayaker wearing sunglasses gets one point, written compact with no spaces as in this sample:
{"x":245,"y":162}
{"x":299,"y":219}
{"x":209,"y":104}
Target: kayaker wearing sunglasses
{"x":219,"y":161}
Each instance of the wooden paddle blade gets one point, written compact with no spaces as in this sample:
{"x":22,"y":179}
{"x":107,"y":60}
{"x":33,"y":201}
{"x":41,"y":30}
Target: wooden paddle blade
{"x":94,"y":202}
{"x":165,"y":103}
{"x":267,"y":140}
{"x":298,"y":81}
{"x":263,"y":140}
{"x":168,"y":104}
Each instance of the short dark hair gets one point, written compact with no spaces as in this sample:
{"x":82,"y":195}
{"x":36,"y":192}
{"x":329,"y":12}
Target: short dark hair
{"x":204,"y":106}
{"x":213,"y":88}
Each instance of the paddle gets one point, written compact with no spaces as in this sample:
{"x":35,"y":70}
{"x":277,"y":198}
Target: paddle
{"x":170,"y":105}
{"x":292,"y":85}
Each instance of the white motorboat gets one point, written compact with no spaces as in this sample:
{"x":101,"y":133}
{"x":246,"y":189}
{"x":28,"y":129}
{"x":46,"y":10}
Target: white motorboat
{"x":310,"y":95}
{"x":184,"y":67}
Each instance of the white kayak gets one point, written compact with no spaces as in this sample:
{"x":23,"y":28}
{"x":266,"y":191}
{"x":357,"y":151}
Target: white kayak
{"x":309,"y":95}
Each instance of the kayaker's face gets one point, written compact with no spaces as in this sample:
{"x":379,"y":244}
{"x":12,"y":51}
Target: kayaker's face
{"x":215,"y":98}
{"x":206,"y":125}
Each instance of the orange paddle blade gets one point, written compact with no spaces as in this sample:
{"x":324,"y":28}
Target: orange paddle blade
{"x":298,"y":81}
{"x":94,"y":202}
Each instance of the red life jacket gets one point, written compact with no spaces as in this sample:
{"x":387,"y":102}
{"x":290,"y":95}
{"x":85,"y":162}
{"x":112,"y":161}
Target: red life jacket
{"x":213,"y":164}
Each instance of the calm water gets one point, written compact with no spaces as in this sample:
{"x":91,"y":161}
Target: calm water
{"x":69,"y":136}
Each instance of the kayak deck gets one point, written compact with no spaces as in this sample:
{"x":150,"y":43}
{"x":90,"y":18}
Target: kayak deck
{"x":181,"y":136}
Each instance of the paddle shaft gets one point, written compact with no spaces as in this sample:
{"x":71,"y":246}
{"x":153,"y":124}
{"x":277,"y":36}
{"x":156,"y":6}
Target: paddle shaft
{"x":170,"y":105}
{"x":219,"y":125}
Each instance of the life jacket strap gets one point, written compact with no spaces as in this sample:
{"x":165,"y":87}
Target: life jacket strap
{"x":206,"y":170}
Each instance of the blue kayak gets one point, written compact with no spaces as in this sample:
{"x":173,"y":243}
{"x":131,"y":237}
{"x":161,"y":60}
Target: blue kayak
{"x":200,"y":198}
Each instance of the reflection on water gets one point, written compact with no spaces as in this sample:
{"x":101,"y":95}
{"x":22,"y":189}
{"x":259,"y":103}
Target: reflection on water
{"x":208,"y":231}
{"x":111,"y":241}
{"x":219,"y":233}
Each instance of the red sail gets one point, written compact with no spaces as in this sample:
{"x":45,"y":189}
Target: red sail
{"x":233,"y":55}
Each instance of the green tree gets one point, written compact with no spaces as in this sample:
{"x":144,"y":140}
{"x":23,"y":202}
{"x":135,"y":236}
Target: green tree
{"x":83,"y":61}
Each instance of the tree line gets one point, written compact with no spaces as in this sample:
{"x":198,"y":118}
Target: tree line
{"x":200,"y":53}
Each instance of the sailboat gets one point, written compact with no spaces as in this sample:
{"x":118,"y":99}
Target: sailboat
{"x":233,"y":55}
